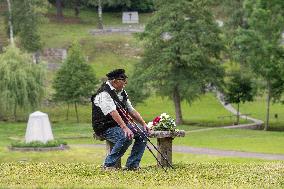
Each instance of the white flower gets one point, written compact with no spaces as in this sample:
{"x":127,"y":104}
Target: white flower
{"x":164,"y":116}
{"x":150,"y":124}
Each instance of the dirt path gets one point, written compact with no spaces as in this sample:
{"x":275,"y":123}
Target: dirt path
{"x":208,"y":151}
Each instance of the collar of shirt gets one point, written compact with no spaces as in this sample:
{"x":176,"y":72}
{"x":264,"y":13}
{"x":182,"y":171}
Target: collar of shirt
{"x":112,"y":88}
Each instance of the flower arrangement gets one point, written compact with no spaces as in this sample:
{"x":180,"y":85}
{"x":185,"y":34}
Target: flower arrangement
{"x":164,"y":122}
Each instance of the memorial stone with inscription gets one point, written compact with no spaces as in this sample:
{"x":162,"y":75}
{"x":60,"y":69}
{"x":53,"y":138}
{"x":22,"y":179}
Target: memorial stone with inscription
{"x":130,"y":18}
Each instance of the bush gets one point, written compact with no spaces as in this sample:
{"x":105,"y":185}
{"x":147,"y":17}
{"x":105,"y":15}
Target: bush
{"x":38,"y":144}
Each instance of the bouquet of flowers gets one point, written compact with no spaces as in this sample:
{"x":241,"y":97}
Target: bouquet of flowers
{"x":164,"y":122}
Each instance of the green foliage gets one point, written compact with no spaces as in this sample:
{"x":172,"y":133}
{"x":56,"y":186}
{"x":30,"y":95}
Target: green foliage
{"x":137,"y":90}
{"x":239,"y":88}
{"x":21,"y":81}
{"x":75,"y":81}
{"x":258,"y":45}
{"x":27,"y":16}
{"x":39,"y":144}
{"x":182,"y":48}
{"x":195,"y":175}
{"x":164,"y":122}
{"x":142,"y":6}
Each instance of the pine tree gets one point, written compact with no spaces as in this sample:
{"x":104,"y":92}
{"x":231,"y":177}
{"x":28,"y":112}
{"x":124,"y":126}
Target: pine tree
{"x":75,"y":81}
{"x":182,"y":48}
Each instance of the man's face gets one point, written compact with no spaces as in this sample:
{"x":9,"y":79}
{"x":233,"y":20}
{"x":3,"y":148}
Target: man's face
{"x":120,"y":83}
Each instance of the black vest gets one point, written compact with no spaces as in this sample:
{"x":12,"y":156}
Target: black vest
{"x":101,"y":122}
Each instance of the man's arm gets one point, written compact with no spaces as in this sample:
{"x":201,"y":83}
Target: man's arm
{"x":137,"y":117}
{"x":115,"y":115}
{"x":106,"y":104}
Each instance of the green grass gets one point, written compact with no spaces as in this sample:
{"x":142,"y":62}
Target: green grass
{"x":257,"y":109}
{"x":80,"y":165}
{"x":236,"y":139}
{"x":193,"y":175}
{"x":205,"y":111}
{"x":227,"y":139}
{"x":90,"y":16}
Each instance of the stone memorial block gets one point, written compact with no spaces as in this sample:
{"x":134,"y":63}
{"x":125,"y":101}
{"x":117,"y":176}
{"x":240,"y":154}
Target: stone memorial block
{"x":130,"y":18}
{"x":38,"y":128}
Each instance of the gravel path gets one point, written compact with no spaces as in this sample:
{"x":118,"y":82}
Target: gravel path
{"x":231,"y":109}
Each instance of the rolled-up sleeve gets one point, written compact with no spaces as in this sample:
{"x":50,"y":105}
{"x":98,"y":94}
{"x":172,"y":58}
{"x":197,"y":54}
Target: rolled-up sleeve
{"x":129,"y":106}
{"x":105,"y":102}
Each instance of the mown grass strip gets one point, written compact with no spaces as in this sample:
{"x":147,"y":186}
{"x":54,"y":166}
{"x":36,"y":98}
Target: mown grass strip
{"x":193,"y":175}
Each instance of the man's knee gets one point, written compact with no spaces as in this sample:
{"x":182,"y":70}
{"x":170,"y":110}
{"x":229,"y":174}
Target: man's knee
{"x":124,"y":139}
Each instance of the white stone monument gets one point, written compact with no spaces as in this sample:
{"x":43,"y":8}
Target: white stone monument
{"x":130,"y":18}
{"x":38,"y":128}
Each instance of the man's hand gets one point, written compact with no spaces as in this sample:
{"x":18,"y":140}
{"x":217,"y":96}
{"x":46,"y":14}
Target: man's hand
{"x":128,"y":133}
{"x":147,"y":129}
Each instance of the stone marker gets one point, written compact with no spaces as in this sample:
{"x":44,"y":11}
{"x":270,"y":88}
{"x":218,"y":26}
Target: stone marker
{"x":38,"y":128}
{"x":165,"y":144}
{"x":130,"y":18}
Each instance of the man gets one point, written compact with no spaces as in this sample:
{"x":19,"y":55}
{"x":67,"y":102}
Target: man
{"x":110,"y":123}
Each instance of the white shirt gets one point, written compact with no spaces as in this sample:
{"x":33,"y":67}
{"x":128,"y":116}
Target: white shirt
{"x":106,"y":103}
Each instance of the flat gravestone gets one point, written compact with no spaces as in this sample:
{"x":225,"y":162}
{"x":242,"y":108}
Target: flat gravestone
{"x":130,"y":18}
{"x":38,"y":128}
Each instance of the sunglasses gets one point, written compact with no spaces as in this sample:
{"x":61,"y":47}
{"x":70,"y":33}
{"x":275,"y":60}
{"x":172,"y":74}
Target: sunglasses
{"x":122,"y":79}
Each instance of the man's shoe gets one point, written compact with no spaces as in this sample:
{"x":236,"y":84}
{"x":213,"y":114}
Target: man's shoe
{"x":109,"y":168}
{"x":132,"y":168}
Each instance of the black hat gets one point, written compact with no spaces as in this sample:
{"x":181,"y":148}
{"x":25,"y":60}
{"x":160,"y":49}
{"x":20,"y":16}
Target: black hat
{"x":116,"y":74}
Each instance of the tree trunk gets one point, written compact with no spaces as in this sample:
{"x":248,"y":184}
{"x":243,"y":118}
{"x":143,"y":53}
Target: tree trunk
{"x":176,"y":98}
{"x":10,"y":23}
{"x":267,"y":105}
{"x":15,"y":112}
{"x":76,"y":110}
{"x":238,"y":114}
{"x":67,"y":115}
{"x":77,"y":8}
{"x":59,"y":9}
{"x":100,"y":15}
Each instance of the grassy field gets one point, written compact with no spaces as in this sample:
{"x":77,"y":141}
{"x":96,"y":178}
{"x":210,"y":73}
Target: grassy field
{"x":80,"y":166}
{"x":257,"y":109}
{"x":192,"y":175}
{"x":81,"y":134}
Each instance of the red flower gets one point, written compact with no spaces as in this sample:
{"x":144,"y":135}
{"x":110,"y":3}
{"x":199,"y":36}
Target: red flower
{"x":156,"y":120}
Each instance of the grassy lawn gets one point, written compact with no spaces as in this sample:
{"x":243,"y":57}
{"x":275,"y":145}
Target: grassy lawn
{"x":228,"y":139}
{"x":257,"y":109}
{"x":193,"y":175}
{"x":236,"y":139}
{"x":205,"y":112}
{"x":79,"y":167}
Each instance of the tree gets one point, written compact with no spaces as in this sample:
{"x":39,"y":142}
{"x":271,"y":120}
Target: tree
{"x":11,"y":31}
{"x":182,"y":48}
{"x":59,"y":9}
{"x":239,"y":88}
{"x":27,"y":16}
{"x":21,"y":81}
{"x":258,"y":45}
{"x":75,"y":80}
